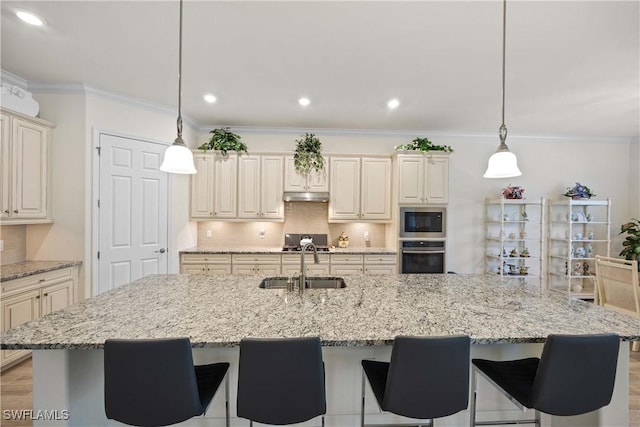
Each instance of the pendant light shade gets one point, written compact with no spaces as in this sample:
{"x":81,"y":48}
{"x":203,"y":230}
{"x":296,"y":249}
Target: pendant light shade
{"x":503,"y":163}
{"x":178,"y":157}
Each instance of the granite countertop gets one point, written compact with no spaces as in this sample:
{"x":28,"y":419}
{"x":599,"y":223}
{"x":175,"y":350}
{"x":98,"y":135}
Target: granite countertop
{"x":29,"y":268}
{"x":218,"y":311}
{"x":271,"y":250}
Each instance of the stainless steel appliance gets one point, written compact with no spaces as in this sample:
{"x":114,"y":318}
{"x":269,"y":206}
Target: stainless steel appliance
{"x":422,"y":256}
{"x":423,"y":222}
{"x":292,"y":242}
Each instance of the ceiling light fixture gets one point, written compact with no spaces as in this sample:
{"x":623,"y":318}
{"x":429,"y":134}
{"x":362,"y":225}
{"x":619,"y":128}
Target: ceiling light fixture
{"x":210,"y":98}
{"x":304,"y":102}
{"x":30,"y":18}
{"x":178,"y":158}
{"x":503,"y":163}
{"x":393,"y":104}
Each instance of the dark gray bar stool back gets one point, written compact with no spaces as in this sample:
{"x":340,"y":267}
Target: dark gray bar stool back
{"x":427,"y":377}
{"x":574,"y":375}
{"x":154,"y":382}
{"x":281,"y":381}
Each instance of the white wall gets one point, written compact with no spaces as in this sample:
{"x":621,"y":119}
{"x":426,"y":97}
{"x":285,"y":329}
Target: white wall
{"x":549,"y":165}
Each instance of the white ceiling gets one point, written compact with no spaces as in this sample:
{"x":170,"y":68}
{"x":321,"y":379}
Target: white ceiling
{"x":573,"y":67}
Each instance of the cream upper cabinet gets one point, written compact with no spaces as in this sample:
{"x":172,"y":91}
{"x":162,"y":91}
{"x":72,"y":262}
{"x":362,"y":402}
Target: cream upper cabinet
{"x":213,"y":188}
{"x":314,"y":182}
{"x":260,"y":187}
{"x":360,"y":188}
{"x":24,"y":157}
{"x":423,"y":178}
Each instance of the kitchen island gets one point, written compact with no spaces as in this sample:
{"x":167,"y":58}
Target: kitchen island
{"x":505,"y":319}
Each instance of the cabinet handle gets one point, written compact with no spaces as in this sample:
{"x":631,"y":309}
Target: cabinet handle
{"x":41,"y":280}
{"x":37,"y":296}
{"x":46,"y":295}
{"x":6,"y":211}
{"x":15,"y":211}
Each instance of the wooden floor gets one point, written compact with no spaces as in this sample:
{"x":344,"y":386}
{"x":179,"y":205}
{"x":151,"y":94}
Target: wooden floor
{"x":16,"y":382}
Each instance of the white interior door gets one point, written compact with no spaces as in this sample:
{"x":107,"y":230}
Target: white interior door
{"x":133,"y":219}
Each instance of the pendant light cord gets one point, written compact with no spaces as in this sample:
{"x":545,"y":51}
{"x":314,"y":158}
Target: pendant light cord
{"x":179,"y":122}
{"x":503,"y":129}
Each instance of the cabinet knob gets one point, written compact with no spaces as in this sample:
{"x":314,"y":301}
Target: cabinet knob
{"x":46,"y":295}
{"x":41,"y":280}
{"x":15,"y":211}
{"x":37,"y":296}
{"x":6,"y":211}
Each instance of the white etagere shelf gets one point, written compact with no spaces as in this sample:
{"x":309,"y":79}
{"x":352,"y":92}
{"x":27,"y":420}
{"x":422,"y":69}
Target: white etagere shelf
{"x":514,"y":236}
{"x":578,"y":230}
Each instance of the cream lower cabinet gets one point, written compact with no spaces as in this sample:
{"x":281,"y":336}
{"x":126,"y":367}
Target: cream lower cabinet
{"x":31,"y":297}
{"x":24,"y":157}
{"x":360,"y":189}
{"x":380,"y":264}
{"x":213,"y":188}
{"x":291,"y":264}
{"x":265,"y":264}
{"x":346,"y":264}
{"x":260,"y":187}
{"x":422,"y":178}
{"x":211,"y":264}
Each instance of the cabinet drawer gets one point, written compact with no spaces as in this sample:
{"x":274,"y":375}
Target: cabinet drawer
{"x":206,"y":258}
{"x":308,"y":258}
{"x":346,"y":259}
{"x":256,"y":258}
{"x":379,"y":259}
{"x":41,"y":279}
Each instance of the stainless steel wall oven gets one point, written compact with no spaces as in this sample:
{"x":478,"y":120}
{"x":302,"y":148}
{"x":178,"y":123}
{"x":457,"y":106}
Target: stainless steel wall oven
{"x":422,"y":256}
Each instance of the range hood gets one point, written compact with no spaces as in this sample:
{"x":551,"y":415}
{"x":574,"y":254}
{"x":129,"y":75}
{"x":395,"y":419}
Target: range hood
{"x":304,"y":196}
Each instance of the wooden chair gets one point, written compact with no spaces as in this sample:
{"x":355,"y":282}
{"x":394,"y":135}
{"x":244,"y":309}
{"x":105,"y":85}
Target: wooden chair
{"x":617,"y":282}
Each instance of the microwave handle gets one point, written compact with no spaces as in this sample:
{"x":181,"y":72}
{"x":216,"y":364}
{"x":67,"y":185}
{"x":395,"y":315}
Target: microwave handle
{"x":406,"y":251}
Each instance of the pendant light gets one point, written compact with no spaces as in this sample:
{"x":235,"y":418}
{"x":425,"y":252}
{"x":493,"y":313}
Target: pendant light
{"x":178,"y":158}
{"x":503,"y":163}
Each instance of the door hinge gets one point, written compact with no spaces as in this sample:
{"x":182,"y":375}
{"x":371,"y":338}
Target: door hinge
{"x":98,"y":254}
{"x":99,"y":150}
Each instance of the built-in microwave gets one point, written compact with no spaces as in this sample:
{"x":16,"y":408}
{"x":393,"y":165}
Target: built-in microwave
{"x":423,"y":222}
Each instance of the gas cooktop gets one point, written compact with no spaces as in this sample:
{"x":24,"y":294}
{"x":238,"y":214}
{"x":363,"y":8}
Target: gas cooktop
{"x":298,"y":248}
{"x":292,"y":242}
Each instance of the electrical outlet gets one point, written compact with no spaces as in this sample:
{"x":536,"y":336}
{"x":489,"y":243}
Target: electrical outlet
{"x":366,"y":236}
{"x":262,"y":233}
{"x":1,"y":245}
{"x":209,"y":233}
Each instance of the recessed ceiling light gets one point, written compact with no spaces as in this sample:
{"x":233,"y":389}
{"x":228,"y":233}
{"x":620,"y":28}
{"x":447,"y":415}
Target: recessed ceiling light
{"x":210,"y":98}
{"x":393,"y":104}
{"x":30,"y":18}
{"x":304,"y":101}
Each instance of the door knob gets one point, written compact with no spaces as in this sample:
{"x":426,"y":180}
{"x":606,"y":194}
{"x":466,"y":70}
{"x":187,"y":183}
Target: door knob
{"x":162,"y":250}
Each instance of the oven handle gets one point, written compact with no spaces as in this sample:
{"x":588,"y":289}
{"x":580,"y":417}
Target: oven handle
{"x":421,"y":252}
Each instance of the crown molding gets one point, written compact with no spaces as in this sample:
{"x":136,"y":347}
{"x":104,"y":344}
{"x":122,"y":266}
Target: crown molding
{"x":12,"y":79}
{"x":81,"y":88}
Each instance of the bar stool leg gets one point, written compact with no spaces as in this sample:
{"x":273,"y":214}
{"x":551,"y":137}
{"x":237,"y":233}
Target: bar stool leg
{"x":472,"y":405}
{"x":362,"y":409}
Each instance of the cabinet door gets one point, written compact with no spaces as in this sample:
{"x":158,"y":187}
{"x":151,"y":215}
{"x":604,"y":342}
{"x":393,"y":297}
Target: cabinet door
{"x":319,"y":181}
{"x":380,"y":269}
{"x":5,"y":129}
{"x":249,"y":186}
{"x":271,"y":206}
{"x":346,"y":269}
{"x":193,"y":269}
{"x":30,"y":166}
{"x":410,"y":179}
{"x":243,"y":269}
{"x":268,"y":269}
{"x":376,"y":189}
{"x":56,"y":297}
{"x":345,"y":188}
{"x":437,"y":179}
{"x":293,"y":181}
{"x":202,"y":186}
{"x":225,"y":186}
{"x":16,"y":310}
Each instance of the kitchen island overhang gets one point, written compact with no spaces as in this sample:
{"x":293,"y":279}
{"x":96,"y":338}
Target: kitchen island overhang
{"x":356,"y":322}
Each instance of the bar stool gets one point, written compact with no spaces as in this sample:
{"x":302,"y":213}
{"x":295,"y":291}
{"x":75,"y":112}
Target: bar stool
{"x":427,"y":377}
{"x":153,"y":382}
{"x":574,"y":375}
{"x":281,"y":381}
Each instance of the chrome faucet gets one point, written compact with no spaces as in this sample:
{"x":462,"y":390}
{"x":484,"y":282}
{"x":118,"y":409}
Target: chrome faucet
{"x":303,"y":269}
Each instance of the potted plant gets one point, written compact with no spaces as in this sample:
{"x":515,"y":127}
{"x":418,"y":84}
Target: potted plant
{"x":308,"y":155}
{"x":631,"y":244}
{"x":424,"y":145}
{"x":223,"y":140}
{"x":579,"y":191}
{"x":513,"y":192}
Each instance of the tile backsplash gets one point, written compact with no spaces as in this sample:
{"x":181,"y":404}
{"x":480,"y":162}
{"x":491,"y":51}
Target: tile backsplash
{"x":299,"y":217}
{"x":15,"y":244}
